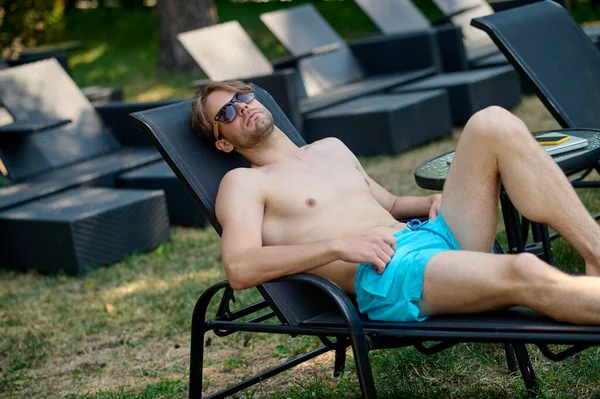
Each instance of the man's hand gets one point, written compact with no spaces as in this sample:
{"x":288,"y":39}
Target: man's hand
{"x":374,"y":247}
{"x":436,"y":205}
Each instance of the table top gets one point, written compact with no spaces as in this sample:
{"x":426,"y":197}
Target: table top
{"x":431,"y":174}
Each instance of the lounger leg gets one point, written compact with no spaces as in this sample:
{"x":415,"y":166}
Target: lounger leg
{"x":196,"y":360}
{"x":340,"y":361}
{"x":197,"y":339}
{"x":363,"y":368}
{"x":526,"y":369}
{"x":511,"y":361}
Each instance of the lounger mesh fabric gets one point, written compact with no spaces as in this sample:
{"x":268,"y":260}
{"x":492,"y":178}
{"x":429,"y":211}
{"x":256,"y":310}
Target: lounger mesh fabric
{"x":543,"y":42}
{"x":311,"y":305}
{"x":224,"y":51}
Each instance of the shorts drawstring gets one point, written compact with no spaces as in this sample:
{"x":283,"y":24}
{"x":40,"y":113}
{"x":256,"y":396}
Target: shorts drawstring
{"x":416,"y":224}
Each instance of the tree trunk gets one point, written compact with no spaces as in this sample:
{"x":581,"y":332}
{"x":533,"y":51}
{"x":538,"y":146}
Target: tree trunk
{"x":176,"y":16}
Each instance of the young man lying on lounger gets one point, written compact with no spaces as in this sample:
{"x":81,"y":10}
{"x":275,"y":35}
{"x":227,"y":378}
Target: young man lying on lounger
{"x":314,"y":209}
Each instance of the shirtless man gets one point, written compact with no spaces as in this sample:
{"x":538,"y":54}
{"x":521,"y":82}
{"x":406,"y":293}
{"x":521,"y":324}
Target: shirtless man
{"x":314,"y":209}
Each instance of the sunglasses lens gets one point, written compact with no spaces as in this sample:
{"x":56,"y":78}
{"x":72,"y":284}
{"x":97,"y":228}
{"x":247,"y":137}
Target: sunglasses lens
{"x":245,"y":97}
{"x":230,"y":113}
{"x":221,"y":114}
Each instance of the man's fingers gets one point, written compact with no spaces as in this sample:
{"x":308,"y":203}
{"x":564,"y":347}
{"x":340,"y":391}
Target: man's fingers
{"x":391,"y":241}
{"x":379,"y":265}
{"x":384,"y":256}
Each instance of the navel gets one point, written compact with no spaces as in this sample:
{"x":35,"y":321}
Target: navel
{"x":311,"y":202}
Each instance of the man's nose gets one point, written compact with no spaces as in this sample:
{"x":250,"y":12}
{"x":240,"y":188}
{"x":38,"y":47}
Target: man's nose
{"x":241,"y":107}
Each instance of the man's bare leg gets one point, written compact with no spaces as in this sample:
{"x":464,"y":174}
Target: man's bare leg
{"x":467,"y":282}
{"x":497,"y":145}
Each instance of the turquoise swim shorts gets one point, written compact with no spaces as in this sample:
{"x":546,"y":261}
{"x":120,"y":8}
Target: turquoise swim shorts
{"x":394,"y":294}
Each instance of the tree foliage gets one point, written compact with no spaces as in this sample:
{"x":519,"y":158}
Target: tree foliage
{"x":23,"y":23}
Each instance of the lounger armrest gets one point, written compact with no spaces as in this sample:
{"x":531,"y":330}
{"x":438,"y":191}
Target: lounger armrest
{"x":446,"y":19}
{"x":302,"y":296}
{"x":115,"y":116}
{"x":402,"y":52}
{"x":24,"y":127}
{"x":452,"y":48}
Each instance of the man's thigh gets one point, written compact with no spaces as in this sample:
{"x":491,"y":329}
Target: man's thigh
{"x":470,"y":196}
{"x":467,"y":282}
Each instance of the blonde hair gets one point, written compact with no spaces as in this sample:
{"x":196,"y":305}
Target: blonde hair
{"x":202,"y":123}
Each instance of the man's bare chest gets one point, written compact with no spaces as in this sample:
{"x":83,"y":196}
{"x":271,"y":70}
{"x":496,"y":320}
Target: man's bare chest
{"x":312,"y":186}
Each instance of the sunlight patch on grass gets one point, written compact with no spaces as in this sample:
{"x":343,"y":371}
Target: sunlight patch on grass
{"x":154,"y":284}
{"x":88,"y":56}
{"x":156,"y":93}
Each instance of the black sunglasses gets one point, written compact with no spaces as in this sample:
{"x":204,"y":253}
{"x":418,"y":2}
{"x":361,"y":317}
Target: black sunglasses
{"x":228,"y":112}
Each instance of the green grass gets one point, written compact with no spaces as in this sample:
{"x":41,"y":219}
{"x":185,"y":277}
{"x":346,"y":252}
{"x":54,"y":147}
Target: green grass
{"x":123,"y":331}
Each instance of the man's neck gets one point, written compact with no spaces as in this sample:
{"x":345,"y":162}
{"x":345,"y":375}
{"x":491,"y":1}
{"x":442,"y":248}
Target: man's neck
{"x":277,"y":148}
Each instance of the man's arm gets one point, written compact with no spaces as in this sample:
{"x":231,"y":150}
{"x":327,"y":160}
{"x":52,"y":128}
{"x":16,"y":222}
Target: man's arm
{"x":247,"y":263}
{"x":399,"y":207}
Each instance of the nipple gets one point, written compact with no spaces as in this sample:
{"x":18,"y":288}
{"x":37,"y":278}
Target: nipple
{"x":311,"y":202}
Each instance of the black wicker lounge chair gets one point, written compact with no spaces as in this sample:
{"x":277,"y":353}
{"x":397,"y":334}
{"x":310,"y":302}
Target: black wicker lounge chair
{"x":301,"y":28}
{"x":54,"y":146}
{"x":397,"y":16}
{"x":306,"y":304}
{"x":313,"y":104}
{"x":57,"y":140}
{"x":481,"y":51}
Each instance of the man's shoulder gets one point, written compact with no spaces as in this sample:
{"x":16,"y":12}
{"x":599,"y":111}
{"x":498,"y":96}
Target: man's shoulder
{"x":330,"y":143}
{"x":239,"y":183}
{"x":241,"y":175}
{"x":333,"y":145}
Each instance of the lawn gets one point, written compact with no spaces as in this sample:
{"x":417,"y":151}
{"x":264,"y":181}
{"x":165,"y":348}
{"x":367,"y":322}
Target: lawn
{"x":123,"y":331}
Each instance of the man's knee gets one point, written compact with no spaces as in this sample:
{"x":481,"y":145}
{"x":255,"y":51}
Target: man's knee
{"x":495,"y":123}
{"x":526,"y":267}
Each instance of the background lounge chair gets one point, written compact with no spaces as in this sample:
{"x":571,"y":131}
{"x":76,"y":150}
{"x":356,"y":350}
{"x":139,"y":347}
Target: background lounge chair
{"x":54,"y":147}
{"x":43,"y":91}
{"x":225,"y":52}
{"x":402,"y":16}
{"x":310,"y":305}
{"x":302,"y":28}
{"x":481,"y":51}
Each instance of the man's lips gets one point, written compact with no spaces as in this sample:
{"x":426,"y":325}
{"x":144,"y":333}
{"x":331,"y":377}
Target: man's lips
{"x":251,"y":117}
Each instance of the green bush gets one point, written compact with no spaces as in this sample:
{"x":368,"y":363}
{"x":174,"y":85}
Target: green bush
{"x":23,"y":23}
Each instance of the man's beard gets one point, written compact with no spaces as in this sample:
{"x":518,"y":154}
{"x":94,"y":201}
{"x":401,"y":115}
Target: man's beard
{"x":263,"y":127}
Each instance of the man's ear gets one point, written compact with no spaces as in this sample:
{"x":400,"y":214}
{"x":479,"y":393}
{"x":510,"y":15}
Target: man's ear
{"x":224,"y":145}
